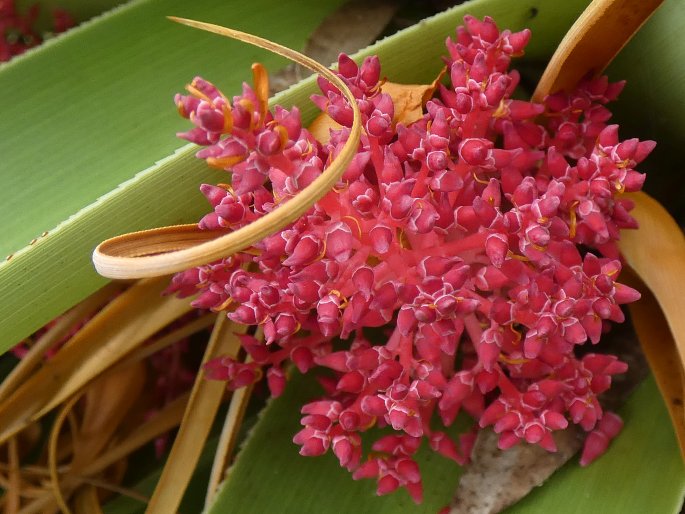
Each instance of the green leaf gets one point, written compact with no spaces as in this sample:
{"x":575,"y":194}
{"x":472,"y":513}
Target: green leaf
{"x":641,"y":472}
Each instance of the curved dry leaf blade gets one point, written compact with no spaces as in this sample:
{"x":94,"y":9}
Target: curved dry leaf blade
{"x":107,"y":402}
{"x":192,"y":500}
{"x":169,"y":417}
{"x":659,"y":348}
{"x":60,"y":490}
{"x":169,"y":339}
{"x":656,"y":252}
{"x":123,"y":324}
{"x":161,"y":240}
{"x":166,"y":419}
{"x":118,"y":257}
{"x":204,"y":402}
{"x":593,"y":41}
{"x":12,"y":496}
{"x":86,"y":501}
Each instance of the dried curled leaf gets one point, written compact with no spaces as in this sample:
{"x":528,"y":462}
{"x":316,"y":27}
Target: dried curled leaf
{"x":410,"y":99}
{"x":656,"y":253}
{"x":118,"y":328}
{"x":593,"y":41}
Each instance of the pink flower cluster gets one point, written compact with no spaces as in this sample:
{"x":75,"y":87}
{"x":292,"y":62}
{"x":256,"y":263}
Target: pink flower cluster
{"x":481,"y":239}
{"x":17,"y":32}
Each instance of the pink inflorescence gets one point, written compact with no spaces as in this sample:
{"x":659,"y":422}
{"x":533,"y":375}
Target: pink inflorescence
{"x":481,"y":238}
{"x":18,"y":32}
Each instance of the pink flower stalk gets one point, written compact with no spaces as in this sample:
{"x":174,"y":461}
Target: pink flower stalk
{"x":482,"y":238}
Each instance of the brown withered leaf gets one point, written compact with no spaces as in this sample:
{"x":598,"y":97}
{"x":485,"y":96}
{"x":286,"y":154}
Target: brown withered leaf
{"x":107,"y":402}
{"x":117,"y":329}
{"x":321,"y":126}
{"x":166,"y":419}
{"x":593,"y":41}
{"x":656,"y":253}
{"x":410,"y":99}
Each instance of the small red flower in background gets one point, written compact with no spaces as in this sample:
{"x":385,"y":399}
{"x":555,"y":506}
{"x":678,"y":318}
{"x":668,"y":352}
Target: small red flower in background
{"x":17,"y":31}
{"x":481,"y":239}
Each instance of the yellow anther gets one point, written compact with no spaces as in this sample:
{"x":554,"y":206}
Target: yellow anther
{"x":224,"y":306}
{"x":377,"y":88}
{"x":343,"y":189}
{"x":502,"y":110}
{"x":403,"y":239}
{"x":228,"y":118}
{"x":225,"y":162}
{"x":517,"y":335}
{"x":516,"y":256}
{"x":513,"y":362}
{"x":282,"y":135}
{"x":344,"y":302}
{"x":623,"y":164}
{"x":356,"y":222}
{"x":229,"y":189}
{"x":479,"y":180}
{"x":323,"y":252}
